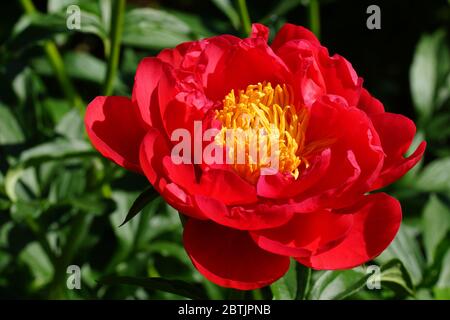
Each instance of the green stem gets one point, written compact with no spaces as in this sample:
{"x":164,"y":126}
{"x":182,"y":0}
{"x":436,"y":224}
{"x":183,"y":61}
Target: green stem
{"x":234,"y":294}
{"x":303,"y":281}
{"x":257,"y":294}
{"x":314,"y":17}
{"x":79,"y":228}
{"x":57,"y":63}
{"x":245,"y":18}
{"x":117,"y":17}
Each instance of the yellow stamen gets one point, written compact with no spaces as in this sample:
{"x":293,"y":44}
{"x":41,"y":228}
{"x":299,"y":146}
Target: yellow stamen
{"x":259,"y":107}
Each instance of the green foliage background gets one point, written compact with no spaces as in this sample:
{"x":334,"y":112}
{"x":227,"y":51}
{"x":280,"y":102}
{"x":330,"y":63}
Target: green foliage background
{"x":62,"y":204}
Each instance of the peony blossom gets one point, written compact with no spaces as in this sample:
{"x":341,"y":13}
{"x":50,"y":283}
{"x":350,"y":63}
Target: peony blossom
{"x":336,"y":147}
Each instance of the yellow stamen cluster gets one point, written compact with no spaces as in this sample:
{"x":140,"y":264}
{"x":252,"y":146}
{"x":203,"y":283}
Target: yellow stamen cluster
{"x":262,"y":107}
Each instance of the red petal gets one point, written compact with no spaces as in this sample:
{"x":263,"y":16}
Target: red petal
{"x":148,"y":74}
{"x":396,"y":133}
{"x":254,"y":60}
{"x":292,"y":32}
{"x":222,"y":185}
{"x":306,"y":234}
{"x":153,"y":149}
{"x":356,"y":154}
{"x":116,"y":130}
{"x":230,"y":258}
{"x":254,"y":217}
{"x":375,"y":225}
{"x":369,"y":104}
{"x":340,"y":77}
{"x":260,"y":31}
{"x":279,"y":186}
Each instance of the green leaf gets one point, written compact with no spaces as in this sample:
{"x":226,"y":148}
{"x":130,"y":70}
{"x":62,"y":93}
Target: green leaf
{"x":435,"y":177}
{"x":58,"y":149}
{"x":178,"y":287}
{"x":10,"y":131}
{"x":407,"y":250}
{"x":338,"y":285}
{"x":55,"y":150}
{"x":79,"y":65}
{"x":333,"y":285}
{"x":22,"y":211}
{"x":442,"y":288}
{"x":38,"y":263}
{"x":35,"y":27}
{"x":227,"y":8}
{"x":303,"y":281}
{"x":394,"y":275}
{"x":154,"y":29}
{"x":141,"y":201}
{"x":436,"y":224}
{"x":71,"y":125}
{"x":424,"y":72}
{"x":60,"y":6}
{"x":282,"y":7}
{"x":286,"y":287}
{"x":169,"y":249}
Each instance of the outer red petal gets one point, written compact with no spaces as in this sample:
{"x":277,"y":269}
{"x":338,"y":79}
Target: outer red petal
{"x":148,"y":74}
{"x":153,"y":149}
{"x":369,"y":104}
{"x":306,"y":234}
{"x":230,"y":258}
{"x":260,"y":31}
{"x":396,"y":133}
{"x":292,"y":32}
{"x":375,"y":225}
{"x":116,"y":130}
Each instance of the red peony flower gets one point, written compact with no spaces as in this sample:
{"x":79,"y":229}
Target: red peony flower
{"x":336,"y":144}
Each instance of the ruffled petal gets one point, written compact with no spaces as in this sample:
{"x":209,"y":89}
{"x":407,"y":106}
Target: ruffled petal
{"x":291,"y":32}
{"x":152,"y":151}
{"x":396,"y":133}
{"x":148,"y":74}
{"x":282,"y":186}
{"x":252,"y":217}
{"x":369,"y":104}
{"x":356,"y":153}
{"x":306,"y":234}
{"x":230,"y":258}
{"x":223,"y":185}
{"x":260,"y":31}
{"x":376,"y":222}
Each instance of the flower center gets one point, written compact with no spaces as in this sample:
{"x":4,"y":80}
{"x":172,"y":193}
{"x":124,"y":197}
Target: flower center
{"x":264,"y":123}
